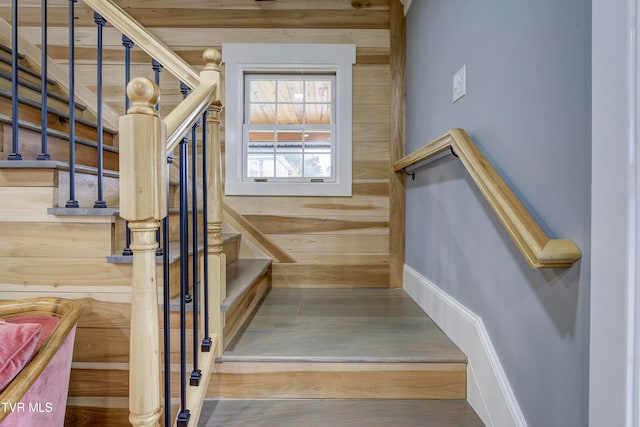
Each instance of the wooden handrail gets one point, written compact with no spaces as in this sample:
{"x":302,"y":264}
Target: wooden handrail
{"x":156,"y":49}
{"x":538,"y":249}
{"x":182,"y":118}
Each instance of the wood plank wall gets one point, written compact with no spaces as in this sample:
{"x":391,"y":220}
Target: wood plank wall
{"x":335,"y":241}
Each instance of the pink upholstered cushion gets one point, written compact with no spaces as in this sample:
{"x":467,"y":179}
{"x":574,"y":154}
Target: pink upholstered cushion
{"x":18,"y":343}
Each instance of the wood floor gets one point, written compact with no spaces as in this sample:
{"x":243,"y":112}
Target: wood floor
{"x":339,"y":357}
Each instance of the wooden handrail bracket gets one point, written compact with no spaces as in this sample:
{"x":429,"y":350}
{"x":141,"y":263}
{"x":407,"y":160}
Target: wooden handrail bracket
{"x":538,"y":249}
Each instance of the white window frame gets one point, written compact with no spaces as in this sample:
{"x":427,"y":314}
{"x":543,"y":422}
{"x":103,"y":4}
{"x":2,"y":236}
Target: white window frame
{"x":242,"y":58}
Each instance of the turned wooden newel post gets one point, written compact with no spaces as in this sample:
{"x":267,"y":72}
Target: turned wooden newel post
{"x":217,"y":259}
{"x":143,"y":204}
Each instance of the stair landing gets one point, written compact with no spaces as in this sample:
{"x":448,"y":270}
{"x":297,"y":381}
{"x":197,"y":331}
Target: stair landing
{"x":343,"y":357}
{"x":340,"y":344}
{"x":342,"y":325}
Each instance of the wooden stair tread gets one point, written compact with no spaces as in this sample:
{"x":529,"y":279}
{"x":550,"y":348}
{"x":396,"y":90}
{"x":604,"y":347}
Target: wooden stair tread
{"x":54,"y":164}
{"x":241,"y":275}
{"x":338,"y":412}
{"x":362,"y":325}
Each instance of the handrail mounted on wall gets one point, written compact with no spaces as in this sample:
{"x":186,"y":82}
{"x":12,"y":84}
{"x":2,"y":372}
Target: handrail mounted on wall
{"x":539,"y":250}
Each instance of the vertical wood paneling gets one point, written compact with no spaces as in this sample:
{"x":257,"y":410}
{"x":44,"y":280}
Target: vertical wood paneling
{"x":365,"y":24}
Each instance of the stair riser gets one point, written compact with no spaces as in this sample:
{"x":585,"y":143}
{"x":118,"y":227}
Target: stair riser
{"x":58,"y":149}
{"x":267,"y":380}
{"x":21,"y":74}
{"x":86,"y":190}
{"x":42,"y":182}
{"x":40,"y":240}
{"x":240,"y":312}
{"x":33,"y":95}
{"x":33,"y":115}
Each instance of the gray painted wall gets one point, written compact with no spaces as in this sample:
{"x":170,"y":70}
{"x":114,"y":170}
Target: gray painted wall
{"x":528,"y":109}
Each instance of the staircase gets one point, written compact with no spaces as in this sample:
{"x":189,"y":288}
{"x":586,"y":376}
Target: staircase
{"x":77,"y":253}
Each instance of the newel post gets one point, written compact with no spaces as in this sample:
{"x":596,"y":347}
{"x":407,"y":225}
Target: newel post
{"x":217,"y":258}
{"x":143,"y":204}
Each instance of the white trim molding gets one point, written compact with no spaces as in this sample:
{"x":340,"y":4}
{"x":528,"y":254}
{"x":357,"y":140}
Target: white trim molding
{"x":614,"y":356}
{"x":488,"y":390}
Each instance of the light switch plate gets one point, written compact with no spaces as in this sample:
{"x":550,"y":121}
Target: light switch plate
{"x":460,"y":83}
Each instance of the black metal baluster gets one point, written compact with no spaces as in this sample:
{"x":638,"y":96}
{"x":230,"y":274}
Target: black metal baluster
{"x":167,"y":312}
{"x":206,"y":341}
{"x":72,"y":202}
{"x":157,"y":69}
{"x":128,"y":45}
{"x":184,"y":213}
{"x":43,"y":85}
{"x":15,"y":155}
{"x":184,"y":414}
{"x":196,"y":374}
{"x":100,"y":203}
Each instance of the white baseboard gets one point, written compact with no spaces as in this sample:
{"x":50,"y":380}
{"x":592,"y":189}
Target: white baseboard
{"x":488,"y":390}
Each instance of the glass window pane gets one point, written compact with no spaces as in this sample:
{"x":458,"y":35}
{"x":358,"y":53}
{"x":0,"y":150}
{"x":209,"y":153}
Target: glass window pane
{"x":262,"y":91}
{"x":318,"y":114}
{"x":290,"y":91}
{"x":262,"y":114}
{"x":318,"y":90}
{"x":261,"y":147}
{"x":289,"y":141}
{"x":317,"y":136}
{"x":288,"y":165}
{"x":289,"y":136}
{"x":317,"y":165}
{"x":290,"y":114}
{"x":260,"y":165}
{"x":317,"y":141}
{"x":261,"y":136}
{"x":278,"y":104}
{"x":261,"y":142}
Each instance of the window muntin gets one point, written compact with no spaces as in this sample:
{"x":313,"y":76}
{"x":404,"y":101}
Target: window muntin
{"x":289,"y":127}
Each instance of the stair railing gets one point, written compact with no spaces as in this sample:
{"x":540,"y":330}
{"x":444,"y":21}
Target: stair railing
{"x":143,"y":157}
{"x":147,"y":143}
{"x":179,"y":123}
{"x":537,"y":248}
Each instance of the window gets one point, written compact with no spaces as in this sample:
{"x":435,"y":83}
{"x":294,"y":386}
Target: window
{"x":289,"y":127}
{"x":288,"y":119}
